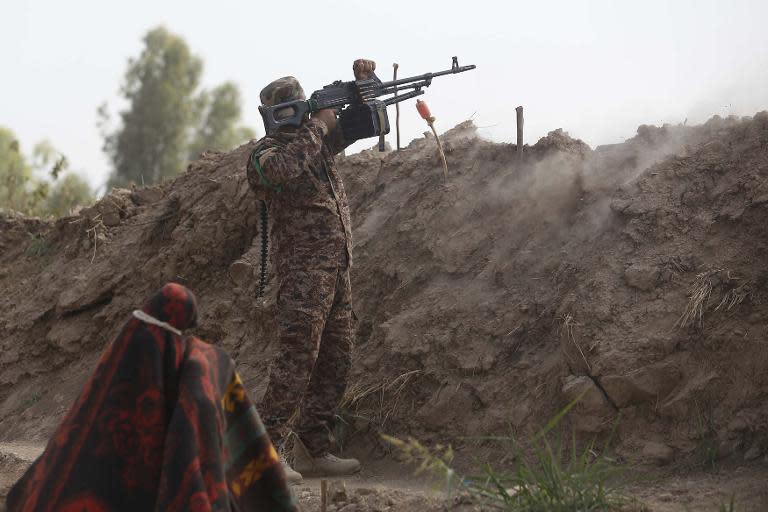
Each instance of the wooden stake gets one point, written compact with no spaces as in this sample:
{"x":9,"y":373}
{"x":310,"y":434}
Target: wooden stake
{"x":323,"y":496}
{"x":397,"y":109}
{"x":519,"y":132}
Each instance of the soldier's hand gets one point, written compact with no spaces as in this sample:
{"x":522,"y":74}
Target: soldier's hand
{"x":363,"y":68}
{"x":327,"y":116}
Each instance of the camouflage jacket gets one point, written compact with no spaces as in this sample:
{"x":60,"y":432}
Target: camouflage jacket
{"x":294,"y":172}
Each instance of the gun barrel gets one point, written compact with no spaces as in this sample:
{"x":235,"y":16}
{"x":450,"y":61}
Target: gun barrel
{"x":402,"y":97}
{"x":394,"y":90}
{"x":428,"y":76}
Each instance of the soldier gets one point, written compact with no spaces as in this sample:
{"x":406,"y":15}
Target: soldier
{"x":293,"y":170}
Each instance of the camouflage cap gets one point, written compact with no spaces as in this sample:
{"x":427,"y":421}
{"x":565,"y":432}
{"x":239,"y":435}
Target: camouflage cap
{"x":282,"y":90}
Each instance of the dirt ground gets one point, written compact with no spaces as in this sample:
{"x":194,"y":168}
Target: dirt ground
{"x":631,"y":275}
{"x":384,"y":487}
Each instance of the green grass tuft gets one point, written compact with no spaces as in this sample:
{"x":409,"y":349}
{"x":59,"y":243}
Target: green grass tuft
{"x":551,"y":476}
{"x":730,"y":506}
{"x":38,"y":245}
{"x":552,"y":481}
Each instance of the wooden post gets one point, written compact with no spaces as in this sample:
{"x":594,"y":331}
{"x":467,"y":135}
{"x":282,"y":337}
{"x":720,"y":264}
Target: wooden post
{"x":397,"y":110}
{"x":323,"y":495}
{"x":519,"y":111}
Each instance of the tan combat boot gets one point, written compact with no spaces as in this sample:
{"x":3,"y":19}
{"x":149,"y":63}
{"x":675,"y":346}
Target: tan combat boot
{"x":293,"y":476}
{"x":324,"y":465}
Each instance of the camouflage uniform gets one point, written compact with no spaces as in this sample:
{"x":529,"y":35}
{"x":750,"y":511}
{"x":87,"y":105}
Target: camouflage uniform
{"x":311,"y":253}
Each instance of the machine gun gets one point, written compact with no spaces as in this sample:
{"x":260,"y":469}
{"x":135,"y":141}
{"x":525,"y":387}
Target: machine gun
{"x":361,"y":114}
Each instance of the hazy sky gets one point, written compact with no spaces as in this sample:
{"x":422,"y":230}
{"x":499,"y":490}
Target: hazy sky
{"x":598,"y":69}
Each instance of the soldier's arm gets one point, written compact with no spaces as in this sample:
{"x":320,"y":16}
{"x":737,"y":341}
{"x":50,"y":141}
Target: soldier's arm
{"x":363,"y":69}
{"x":336,"y":142}
{"x":281,"y":164}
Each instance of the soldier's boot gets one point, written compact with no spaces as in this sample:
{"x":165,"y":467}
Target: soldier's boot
{"x":323,"y":465}
{"x":293,"y":476}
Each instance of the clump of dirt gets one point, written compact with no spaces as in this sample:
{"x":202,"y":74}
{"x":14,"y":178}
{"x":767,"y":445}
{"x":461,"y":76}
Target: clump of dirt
{"x":14,"y":461}
{"x":629,"y":275}
{"x":382,"y":499}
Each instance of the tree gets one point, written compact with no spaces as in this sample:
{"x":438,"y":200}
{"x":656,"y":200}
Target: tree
{"x":70,"y":191}
{"x":167,"y":119}
{"x":14,"y":171}
{"x":219,"y":129}
{"x":17,"y":189}
{"x":22,"y":191}
{"x":46,"y":158}
{"x":159,"y":86}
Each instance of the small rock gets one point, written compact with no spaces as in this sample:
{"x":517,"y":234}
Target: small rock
{"x":727,"y":447}
{"x":753,"y":453}
{"x":144,"y":196}
{"x":241,"y":272}
{"x":593,"y":411}
{"x":641,"y":276}
{"x":337,"y":491}
{"x":90,"y":213}
{"x":66,"y":335}
{"x":648,"y":384}
{"x":110,"y":217}
{"x":444,"y":406}
{"x":659,"y":453}
{"x":592,"y":399}
{"x":200,"y":260}
{"x":737,"y":424}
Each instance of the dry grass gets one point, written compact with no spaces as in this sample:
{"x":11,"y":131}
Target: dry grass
{"x":566,"y":329}
{"x":377,"y":402}
{"x":733,"y":297}
{"x":96,"y":233}
{"x":719,"y":280}
{"x":435,"y":461}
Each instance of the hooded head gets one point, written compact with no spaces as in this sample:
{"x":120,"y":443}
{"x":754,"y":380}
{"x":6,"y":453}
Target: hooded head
{"x":173,"y":304}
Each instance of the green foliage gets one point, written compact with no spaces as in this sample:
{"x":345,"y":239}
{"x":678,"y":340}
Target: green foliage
{"x":38,"y":245}
{"x":167,"y":119}
{"x":17,"y":190}
{"x":551,"y":476}
{"x":70,"y":191}
{"x":730,"y":506}
{"x":46,"y":158}
{"x":30,"y":401}
{"x":159,"y":86}
{"x":220,"y":114}
{"x":436,"y":461}
{"x":707,"y":446}
{"x":22,"y":191}
{"x":552,"y":480}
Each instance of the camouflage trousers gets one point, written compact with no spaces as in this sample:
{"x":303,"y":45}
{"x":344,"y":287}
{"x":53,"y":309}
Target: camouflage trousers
{"x":309,"y":374}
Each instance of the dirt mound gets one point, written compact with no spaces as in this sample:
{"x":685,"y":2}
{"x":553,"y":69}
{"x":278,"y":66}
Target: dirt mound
{"x":631,"y":274}
{"x":14,"y":460}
